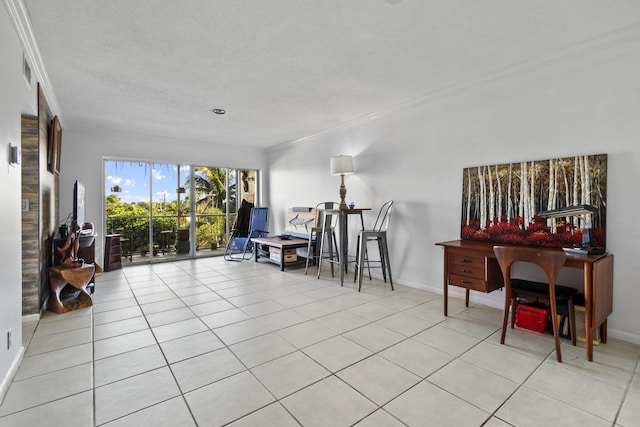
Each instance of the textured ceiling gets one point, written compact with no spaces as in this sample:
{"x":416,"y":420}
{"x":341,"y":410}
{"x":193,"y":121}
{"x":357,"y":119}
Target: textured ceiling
{"x":287,"y":69}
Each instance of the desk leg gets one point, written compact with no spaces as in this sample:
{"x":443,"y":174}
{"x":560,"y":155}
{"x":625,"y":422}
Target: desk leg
{"x":588,"y":310}
{"x":446,"y":283}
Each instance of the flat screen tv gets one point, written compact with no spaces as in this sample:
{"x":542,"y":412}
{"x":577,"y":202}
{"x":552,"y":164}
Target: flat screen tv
{"x":78,"y":204}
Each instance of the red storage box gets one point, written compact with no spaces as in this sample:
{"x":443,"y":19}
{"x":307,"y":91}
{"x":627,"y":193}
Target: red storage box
{"x":532,"y":318}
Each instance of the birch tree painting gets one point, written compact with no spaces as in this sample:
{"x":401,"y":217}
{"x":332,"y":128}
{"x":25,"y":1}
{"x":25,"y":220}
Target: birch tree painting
{"x":501,"y":203}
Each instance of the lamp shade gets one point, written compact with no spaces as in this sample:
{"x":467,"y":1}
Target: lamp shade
{"x":341,"y":165}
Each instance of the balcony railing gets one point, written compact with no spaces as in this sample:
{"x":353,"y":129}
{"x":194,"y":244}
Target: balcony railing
{"x":171,"y":234}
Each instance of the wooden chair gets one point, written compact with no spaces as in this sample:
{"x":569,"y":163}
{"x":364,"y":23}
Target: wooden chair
{"x":551,"y":262}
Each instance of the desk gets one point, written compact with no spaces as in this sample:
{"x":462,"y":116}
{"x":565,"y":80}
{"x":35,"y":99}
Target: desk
{"x":472,"y":265}
{"x":343,"y":224}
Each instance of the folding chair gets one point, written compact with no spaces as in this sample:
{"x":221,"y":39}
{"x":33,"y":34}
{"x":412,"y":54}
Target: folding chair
{"x":248,"y":226}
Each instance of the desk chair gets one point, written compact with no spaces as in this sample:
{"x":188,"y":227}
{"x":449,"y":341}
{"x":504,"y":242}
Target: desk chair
{"x":314,"y":244}
{"x":551,"y":262}
{"x":377,"y":234}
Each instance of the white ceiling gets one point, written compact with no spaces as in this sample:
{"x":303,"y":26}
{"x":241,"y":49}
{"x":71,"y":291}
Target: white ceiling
{"x":287,"y":69}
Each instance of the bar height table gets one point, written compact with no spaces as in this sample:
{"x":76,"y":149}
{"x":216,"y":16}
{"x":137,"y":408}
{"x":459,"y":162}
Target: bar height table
{"x":343,"y":232}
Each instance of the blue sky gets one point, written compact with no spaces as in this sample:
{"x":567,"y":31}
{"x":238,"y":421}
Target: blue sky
{"x":133,"y":178}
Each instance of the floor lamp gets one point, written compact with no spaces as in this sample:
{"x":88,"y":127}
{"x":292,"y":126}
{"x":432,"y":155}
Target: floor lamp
{"x":342,"y":165}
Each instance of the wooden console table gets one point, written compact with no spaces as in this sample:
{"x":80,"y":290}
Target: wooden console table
{"x":472,"y":265}
{"x":79,"y":278}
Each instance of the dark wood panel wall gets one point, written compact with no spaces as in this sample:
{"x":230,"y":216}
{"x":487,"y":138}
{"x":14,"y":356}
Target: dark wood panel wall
{"x":40,"y":222}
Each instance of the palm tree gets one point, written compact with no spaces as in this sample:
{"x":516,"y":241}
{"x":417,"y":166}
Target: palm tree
{"x":210,"y":187}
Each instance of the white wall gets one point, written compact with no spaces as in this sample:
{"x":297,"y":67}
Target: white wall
{"x":585,"y":103}
{"x":83,"y":153}
{"x":17,"y":98}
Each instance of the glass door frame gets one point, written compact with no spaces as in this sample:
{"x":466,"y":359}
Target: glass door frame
{"x":233,"y":176}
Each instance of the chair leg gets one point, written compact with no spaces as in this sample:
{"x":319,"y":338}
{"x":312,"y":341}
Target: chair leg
{"x":513,"y":311}
{"x":387,"y":262}
{"x":366,"y":257}
{"x":327,"y":235}
{"x":320,"y":253}
{"x":505,"y":317}
{"x":554,"y":324}
{"x":382,"y":258}
{"x":572,"y":320}
{"x":330,"y":252}
{"x":357,"y":263}
{"x":309,"y":253}
{"x":361,"y":253}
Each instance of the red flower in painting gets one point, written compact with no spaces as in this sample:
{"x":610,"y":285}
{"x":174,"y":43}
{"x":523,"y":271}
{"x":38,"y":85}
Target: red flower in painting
{"x":537,"y":227}
{"x":504,"y":228}
{"x":511,"y":238}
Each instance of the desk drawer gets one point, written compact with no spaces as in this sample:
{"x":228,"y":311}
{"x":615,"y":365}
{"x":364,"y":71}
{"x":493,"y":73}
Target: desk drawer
{"x":468,"y":282}
{"x":470,"y":261}
{"x":468,"y":270}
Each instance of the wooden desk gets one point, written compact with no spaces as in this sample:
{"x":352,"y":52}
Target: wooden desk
{"x":472,"y":265}
{"x":343,"y":224}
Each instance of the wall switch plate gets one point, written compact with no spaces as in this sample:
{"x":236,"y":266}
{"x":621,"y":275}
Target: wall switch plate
{"x":14,"y":154}
{"x":25,"y":205}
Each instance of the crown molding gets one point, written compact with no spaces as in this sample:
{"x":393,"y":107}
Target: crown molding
{"x":622,"y":37}
{"x":22,"y":25}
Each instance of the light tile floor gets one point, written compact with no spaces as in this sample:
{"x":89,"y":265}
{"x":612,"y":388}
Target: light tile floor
{"x":209,"y":342}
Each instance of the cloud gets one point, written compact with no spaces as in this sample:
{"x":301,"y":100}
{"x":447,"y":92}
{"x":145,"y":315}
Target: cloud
{"x":157,"y":174}
{"x":114,"y":179}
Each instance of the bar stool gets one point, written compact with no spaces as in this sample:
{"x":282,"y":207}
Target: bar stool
{"x":328,"y":220}
{"x":378,"y":234}
{"x":316,"y":230}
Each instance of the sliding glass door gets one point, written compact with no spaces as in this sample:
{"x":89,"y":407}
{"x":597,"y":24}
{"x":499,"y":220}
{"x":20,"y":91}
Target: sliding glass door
{"x":172,"y":211}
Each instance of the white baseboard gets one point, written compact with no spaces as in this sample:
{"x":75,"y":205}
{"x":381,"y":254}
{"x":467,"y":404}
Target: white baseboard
{"x":6,"y":381}
{"x":623,"y":336}
{"x":30,"y":318}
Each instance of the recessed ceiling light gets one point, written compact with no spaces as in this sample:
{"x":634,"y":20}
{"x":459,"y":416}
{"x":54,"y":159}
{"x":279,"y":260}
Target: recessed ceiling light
{"x":218,"y":111}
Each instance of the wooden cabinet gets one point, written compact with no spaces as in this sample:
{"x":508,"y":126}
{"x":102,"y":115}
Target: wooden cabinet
{"x":470,"y":266}
{"x":473,"y":272}
{"x":112,"y":252}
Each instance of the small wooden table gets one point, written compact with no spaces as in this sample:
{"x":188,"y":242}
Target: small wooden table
{"x":282,"y":246}
{"x":79,"y":278}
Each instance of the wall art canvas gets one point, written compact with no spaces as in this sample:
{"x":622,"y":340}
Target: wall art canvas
{"x":300,"y":220}
{"x":54,"y":146}
{"x":552,"y":203}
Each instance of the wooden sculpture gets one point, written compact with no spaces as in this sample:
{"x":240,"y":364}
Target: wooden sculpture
{"x":69,"y":251}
